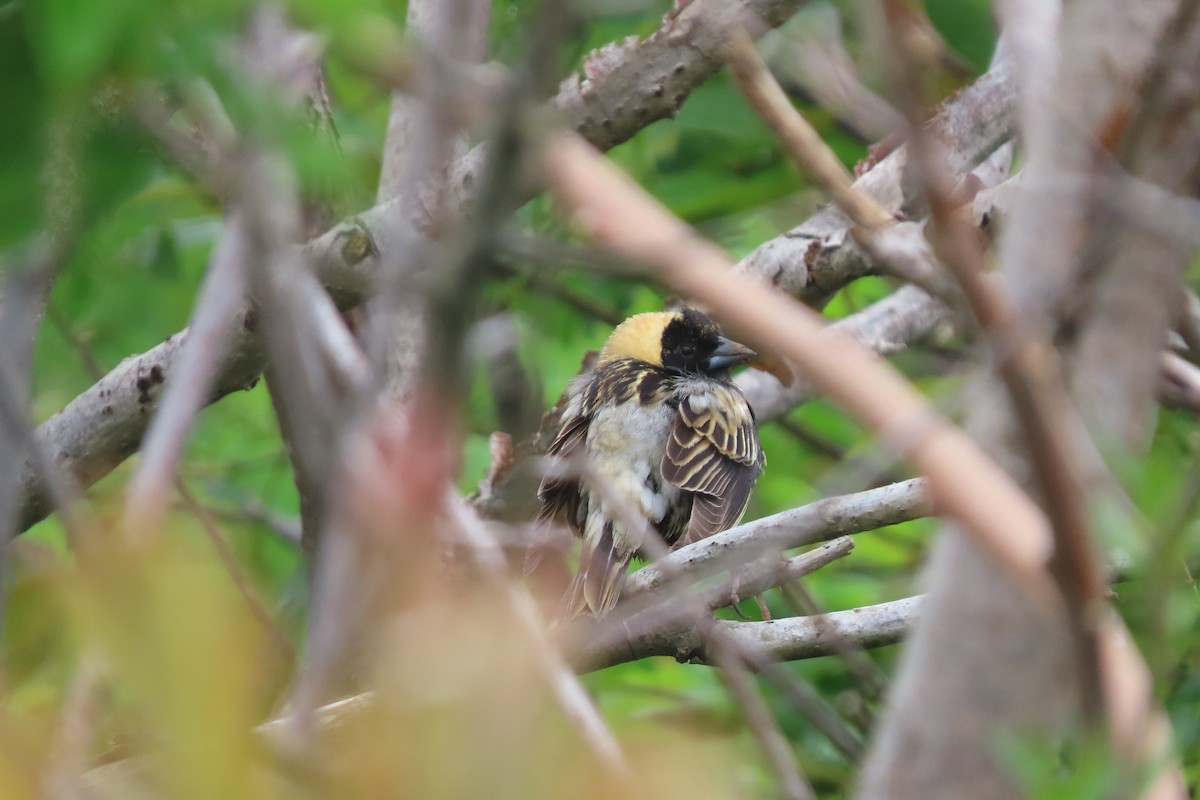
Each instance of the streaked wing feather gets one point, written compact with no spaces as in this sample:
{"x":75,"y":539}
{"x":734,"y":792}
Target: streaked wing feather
{"x":712,"y":514}
{"x":560,"y":497}
{"x":714,"y":452}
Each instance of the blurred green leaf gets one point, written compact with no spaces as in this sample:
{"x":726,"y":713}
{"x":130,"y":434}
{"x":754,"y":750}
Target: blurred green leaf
{"x":23,"y":133}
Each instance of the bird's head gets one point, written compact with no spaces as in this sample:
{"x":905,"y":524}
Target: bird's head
{"x":686,"y":342}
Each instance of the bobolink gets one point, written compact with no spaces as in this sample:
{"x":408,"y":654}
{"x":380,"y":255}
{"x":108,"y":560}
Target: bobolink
{"x":661,"y":424}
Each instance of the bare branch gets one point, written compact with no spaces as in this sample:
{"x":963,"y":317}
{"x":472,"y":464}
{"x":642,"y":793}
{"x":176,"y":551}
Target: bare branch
{"x":820,"y":521}
{"x":424,"y":133}
{"x":900,"y":249}
{"x":810,"y":58}
{"x":790,"y":639}
{"x":426,"y":136}
{"x":792,"y":783}
{"x":673,"y":606}
{"x":574,"y":701}
{"x":818,"y":257}
{"x":218,"y":313}
{"x":887,"y":326}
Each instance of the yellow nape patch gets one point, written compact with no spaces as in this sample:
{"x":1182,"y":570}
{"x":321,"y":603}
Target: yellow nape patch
{"x":638,"y":337}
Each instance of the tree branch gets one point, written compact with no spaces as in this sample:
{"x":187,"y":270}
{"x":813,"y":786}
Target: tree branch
{"x":814,"y":260}
{"x":217,"y":313}
{"x":821,"y":521}
{"x":790,"y":639}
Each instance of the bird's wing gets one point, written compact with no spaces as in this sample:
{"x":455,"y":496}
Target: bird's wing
{"x":714,"y":452}
{"x":560,"y":496}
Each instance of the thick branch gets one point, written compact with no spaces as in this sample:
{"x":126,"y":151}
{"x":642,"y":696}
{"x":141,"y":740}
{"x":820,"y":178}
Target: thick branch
{"x":103,"y":426}
{"x":627,"y":85}
{"x":788,"y":639}
{"x":816,"y":522}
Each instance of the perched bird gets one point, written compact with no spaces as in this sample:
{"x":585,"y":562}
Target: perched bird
{"x":665,"y":435}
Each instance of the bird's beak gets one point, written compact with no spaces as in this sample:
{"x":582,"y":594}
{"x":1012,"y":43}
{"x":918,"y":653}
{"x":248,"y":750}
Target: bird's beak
{"x":729,"y":354}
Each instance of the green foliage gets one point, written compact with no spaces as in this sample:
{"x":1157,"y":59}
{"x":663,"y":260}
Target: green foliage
{"x":1048,"y":771}
{"x":967,"y":27}
{"x":22,"y":136}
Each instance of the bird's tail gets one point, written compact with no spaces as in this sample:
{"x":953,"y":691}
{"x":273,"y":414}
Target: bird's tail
{"x":601,"y":575}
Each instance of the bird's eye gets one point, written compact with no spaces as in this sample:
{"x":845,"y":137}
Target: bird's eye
{"x":687,"y":350}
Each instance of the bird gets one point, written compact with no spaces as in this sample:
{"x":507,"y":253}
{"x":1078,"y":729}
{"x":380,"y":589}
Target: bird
{"x":665,"y":439}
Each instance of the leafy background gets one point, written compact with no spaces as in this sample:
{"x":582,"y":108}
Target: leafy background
{"x":148,"y":233}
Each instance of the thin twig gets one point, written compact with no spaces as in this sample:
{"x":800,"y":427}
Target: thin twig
{"x":823,"y":715}
{"x":254,"y":512}
{"x":219,"y":310}
{"x":897,"y":247}
{"x":863,"y":668}
{"x":811,"y":59}
{"x":242,"y":583}
{"x":575,"y":702}
{"x":800,"y":138}
{"x":792,"y":783}
{"x":811,"y":439}
{"x":85,"y":354}
{"x":69,"y":754}
{"x":549,"y":287}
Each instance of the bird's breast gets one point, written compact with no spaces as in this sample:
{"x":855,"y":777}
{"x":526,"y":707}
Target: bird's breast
{"x":626,"y":443}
